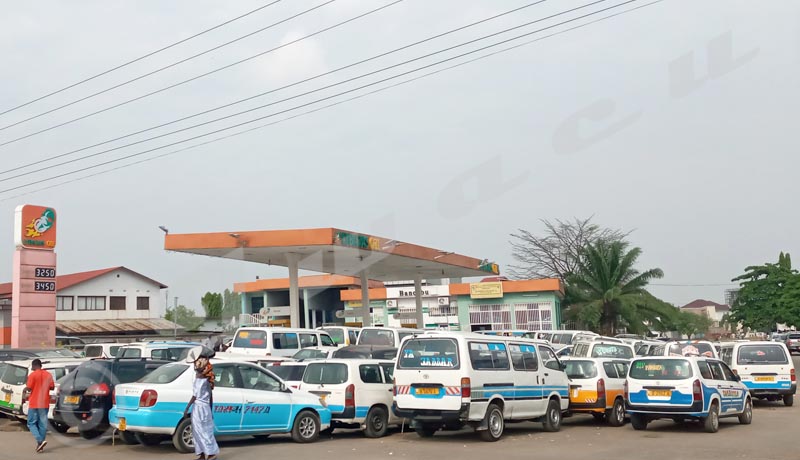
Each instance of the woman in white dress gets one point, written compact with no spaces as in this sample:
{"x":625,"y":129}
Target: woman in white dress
{"x":205,"y":445}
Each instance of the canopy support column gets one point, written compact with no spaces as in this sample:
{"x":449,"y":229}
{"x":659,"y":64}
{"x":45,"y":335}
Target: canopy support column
{"x":294,"y":290}
{"x":366,"y":315}
{"x":420,"y":317}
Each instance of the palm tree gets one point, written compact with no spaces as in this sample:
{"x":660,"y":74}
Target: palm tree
{"x":606,"y":291}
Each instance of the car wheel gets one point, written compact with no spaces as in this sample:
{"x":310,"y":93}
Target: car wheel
{"x":552,"y":418}
{"x":90,"y":434}
{"x":377,"y":422}
{"x":60,"y":427}
{"x":494,"y":424}
{"x":711,"y":423}
{"x":128,"y":437}
{"x":306,"y":427}
{"x":638,"y":422}
{"x":182,"y":439}
{"x":788,"y":400}
{"x":746,"y":417}
{"x":616,"y":417}
{"x":425,"y":430}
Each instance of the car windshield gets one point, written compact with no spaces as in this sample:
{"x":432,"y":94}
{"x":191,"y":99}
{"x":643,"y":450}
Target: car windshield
{"x":429,"y":354}
{"x":762,"y":354}
{"x":165,"y":374}
{"x":336,"y":334}
{"x":14,"y":375}
{"x":697,"y":349}
{"x":580,"y":369}
{"x":93,"y":351}
{"x":376,"y":337}
{"x":130,"y":352}
{"x":288,"y":373}
{"x":309,"y":354}
{"x":325,"y":373}
{"x":794,"y":336}
{"x":661,"y":369}
{"x":250,"y":339}
{"x":611,"y":351}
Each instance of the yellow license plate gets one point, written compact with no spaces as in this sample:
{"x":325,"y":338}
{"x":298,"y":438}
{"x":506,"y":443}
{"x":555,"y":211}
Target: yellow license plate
{"x":659,"y":393}
{"x":7,"y":397}
{"x":123,"y":425}
{"x":427,"y":391}
{"x":764,"y":379}
{"x":72,"y":400}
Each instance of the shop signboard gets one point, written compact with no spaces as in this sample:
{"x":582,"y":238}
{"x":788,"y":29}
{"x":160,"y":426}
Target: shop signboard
{"x":35,"y":227}
{"x":490,"y":290}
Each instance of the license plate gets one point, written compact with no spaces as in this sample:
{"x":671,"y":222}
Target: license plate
{"x":122,"y":424}
{"x":7,"y":397}
{"x":764,"y":379}
{"x":72,"y":399}
{"x":427,"y":391}
{"x":659,"y":393}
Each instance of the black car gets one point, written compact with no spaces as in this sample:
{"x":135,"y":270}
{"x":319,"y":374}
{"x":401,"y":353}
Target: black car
{"x":365,"y":352}
{"x":22,"y":354}
{"x":86,"y":394}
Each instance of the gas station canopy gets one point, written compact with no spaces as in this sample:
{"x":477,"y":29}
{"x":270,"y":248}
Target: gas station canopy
{"x":331,"y":250}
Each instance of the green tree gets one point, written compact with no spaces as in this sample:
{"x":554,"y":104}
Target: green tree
{"x":185,"y":317}
{"x":692,"y":324}
{"x":212,"y":304}
{"x":231,"y":304}
{"x":607,"y":292}
{"x":768,"y":294}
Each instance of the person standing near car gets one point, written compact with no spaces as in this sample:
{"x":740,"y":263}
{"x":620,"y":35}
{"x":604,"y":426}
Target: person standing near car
{"x":39,"y":384}
{"x":205,"y":445}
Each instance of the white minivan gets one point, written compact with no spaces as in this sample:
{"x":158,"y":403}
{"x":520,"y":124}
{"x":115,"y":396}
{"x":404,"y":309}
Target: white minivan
{"x":358,"y":393}
{"x":766,"y":368}
{"x":277,"y":341}
{"x":387,"y":336}
{"x":450,"y":379}
{"x":14,"y":379}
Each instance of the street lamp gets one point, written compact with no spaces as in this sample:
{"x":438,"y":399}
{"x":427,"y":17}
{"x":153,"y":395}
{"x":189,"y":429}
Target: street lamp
{"x":164,"y":229}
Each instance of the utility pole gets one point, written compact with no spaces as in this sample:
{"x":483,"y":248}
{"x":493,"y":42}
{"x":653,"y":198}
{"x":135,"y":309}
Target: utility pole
{"x":175,"y":317}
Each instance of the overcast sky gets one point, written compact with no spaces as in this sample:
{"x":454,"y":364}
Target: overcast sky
{"x":677,"y":121}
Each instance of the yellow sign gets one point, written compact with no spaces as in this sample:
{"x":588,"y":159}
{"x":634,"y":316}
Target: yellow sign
{"x":493,"y":290}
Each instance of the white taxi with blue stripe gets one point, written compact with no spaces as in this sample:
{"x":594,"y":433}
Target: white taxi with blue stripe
{"x":685,"y":388}
{"x":449,"y":379}
{"x":248,"y":400}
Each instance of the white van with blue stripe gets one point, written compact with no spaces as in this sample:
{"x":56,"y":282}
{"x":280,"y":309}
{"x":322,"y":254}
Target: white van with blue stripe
{"x":451,"y":379}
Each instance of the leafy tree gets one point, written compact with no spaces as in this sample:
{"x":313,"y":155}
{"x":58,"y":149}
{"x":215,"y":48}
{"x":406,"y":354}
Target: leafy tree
{"x":185,"y":317}
{"x":768,"y":294}
{"x":556,"y":253}
{"x":231,"y":304}
{"x":691,"y":324}
{"x":212,"y":304}
{"x":608,"y":293}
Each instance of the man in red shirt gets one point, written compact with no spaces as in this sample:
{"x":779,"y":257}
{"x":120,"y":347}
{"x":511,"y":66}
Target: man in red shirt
{"x":40,"y":382}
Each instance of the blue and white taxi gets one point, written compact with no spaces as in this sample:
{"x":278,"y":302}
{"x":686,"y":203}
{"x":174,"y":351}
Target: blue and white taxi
{"x":685,"y":388}
{"x":248,"y":400}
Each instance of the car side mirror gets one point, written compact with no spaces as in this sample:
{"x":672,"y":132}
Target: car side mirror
{"x":283,"y":388}
{"x":736,"y":377}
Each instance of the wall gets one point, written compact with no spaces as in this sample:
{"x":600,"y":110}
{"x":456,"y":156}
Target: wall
{"x":117,"y":283}
{"x":5,"y":327}
{"x":513,"y":301}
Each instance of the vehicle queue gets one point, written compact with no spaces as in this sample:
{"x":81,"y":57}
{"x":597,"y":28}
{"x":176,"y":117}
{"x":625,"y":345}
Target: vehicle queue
{"x":267,"y":383}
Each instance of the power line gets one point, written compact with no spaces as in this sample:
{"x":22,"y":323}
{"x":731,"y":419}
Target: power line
{"x":306,"y":80}
{"x":152,"y":53}
{"x":320,"y":108}
{"x":174,"y":64}
{"x":197,"y":77}
{"x":694,"y":285}
{"x":102,"y":152}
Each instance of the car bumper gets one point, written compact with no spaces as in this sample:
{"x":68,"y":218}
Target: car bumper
{"x":428,"y":415}
{"x":773,"y":391}
{"x":695,"y":410}
{"x":599,"y":406}
{"x":144,"y":421}
{"x":93,"y":419}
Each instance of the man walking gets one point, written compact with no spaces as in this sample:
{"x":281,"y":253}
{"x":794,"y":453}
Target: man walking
{"x":39,"y":384}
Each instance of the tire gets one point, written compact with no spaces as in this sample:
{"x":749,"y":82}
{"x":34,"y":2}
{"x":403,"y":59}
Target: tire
{"x":151,"y":440}
{"x":306,"y":427}
{"x":90,"y":434}
{"x":746,"y":417}
{"x":128,"y":437}
{"x":377,"y":422}
{"x":494,"y":424}
{"x":788,"y":400}
{"x":711,"y":423}
{"x":59,"y":427}
{"x":616,"y":416}
{"x":638,"y":422}
{"x":552,"y":418}
{"x":182,"y":439}
{"x":425,"y":430}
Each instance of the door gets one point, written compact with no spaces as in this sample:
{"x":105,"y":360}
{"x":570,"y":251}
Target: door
{"x":374,"y":389}
{"x":265,"y":406}
{"x":227,"y":398}
{"x":527,"y":390}
{"x":388,"y":378}
{"x":734,"y":391}
{"x":554,"y":380}
{"x":727,"y":402}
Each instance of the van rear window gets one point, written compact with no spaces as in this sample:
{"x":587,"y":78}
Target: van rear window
{"x":611,"y":351}
{"x":762,"y":354}
{"x":429,"y":354}
{"x":250,"y":339}
{"x":15,"y":375}
{"x":661,"y":369}
{"x":580,"y":369}
{"x":325,"y":373}
{"x":376,"y":337}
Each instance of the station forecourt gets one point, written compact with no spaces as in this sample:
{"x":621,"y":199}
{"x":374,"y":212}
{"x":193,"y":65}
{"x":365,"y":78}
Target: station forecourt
{"x":408,"y":284}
